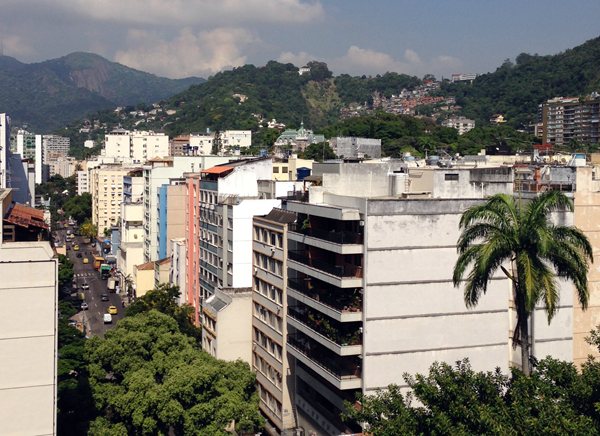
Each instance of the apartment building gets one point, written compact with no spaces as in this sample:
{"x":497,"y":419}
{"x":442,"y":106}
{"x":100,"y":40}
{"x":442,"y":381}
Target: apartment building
{"x":158,"y":172}
{"x":177,"y":273}
{"x":274,"y":374}
{"x":133,"y":186}
{"x":29,"y":146}
{"x":106,"y":187}
{"x":348,"y":147}
{"x":83,"y":185}
{"x":179,"y":146}
{"x":364,"y":294}
{"x":54,"y":147}
{"x":566,"y":119}
{"x":201,"y":143}
{"x":136,"y":146}
{"x":461,"y":124}
{"x":4,"y":150}
{"x":171,"y":214}
{"x":464,"y":77}
{"x":28,"y":366}
{"x":130,"y":251}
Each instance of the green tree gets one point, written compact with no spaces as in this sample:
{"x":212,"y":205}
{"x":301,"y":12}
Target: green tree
{"x":318,"y":151}
{"x":538,"y":252}
{"x":216,"y":148}
{"x":164,"y":299}
{"x":148,"y":378}
{"x":65,"y":271}
{"x":554,"y":400}
{"x":79,"y":207}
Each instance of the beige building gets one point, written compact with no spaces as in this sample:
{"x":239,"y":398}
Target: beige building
{"x":274,"y":375}
{"x":144,"y":279}
{"x":287,"y":169}
{"x":162,"y":271}
{"x":106,"y":187}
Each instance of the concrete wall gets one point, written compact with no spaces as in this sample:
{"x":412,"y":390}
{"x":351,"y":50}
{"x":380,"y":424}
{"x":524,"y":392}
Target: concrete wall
{"x":144,"y":281}
{"x":587,"y":219}
{"x":356,"y":147}
{"x":176,"y":196}
{"x":413,"y":313}
{"x":28,"y":341}
{"x":472,"y":182}
{"x":234,"y":327}
{"x":242,"y":215}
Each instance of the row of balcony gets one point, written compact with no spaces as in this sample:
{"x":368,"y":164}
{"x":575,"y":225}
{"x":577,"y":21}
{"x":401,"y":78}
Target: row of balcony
{"x":341,"y":271}
{"x":341,"y":334}
{"x":342,"y":301}
{"x":337,"y":237}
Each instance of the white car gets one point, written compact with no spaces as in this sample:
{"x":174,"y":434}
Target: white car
{"x":85,"y":286}
{"x":84,"y":306}
{"x":107,"y":318}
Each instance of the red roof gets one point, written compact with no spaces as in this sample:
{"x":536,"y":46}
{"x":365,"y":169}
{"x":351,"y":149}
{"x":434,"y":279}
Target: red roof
{"x":25,"y":216}
{"x":217,"y":170}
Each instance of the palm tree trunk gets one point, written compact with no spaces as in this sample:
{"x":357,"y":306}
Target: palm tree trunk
{"x":525,"y":341}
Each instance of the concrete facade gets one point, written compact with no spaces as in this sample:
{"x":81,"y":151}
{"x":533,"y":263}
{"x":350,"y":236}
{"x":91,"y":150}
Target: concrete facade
{"x":130,"y":252}
{"x":356,"y":147}
{"x":136,"y":146}
{"x":106,"y":187}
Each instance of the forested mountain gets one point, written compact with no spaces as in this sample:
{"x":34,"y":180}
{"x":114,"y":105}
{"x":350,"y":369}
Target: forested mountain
{"x":49,"y":94}
{"x":516,"y":90}
{"x":234,"y":99}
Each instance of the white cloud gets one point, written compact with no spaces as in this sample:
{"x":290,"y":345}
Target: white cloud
{"x":187,"y":55}
{"x":14,"y":46}
{"x":188,"y":12}
{"x":359,"y":61}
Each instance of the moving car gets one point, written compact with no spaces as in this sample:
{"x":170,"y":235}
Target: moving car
{"x":104,"y":297}
{"x":85,"y":286}
{"x":84,"y":306}
{"x":107,"y":318}
{"x":85,"y":260}
{"x":76,"y":248}
{"x":112,"y":310}
{"x":78,"y":254}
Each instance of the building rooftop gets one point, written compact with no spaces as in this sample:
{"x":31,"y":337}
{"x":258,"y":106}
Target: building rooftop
{"x":25,"y":216}
{"x":146,"y":266}
{"x":281,"y":216}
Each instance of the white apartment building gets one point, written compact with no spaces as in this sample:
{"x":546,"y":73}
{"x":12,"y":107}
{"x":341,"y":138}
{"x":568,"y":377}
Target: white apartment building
{"x":63,"y":166}
{"x":177,"y":273}
{"x":356,"y":147}
{"x":106,"y":187}
{"x":55,"y":147}
{"x":82,"y":182}
{"x":131,"y":248}
{"x":135,"y":146}
{"x":29,"y":146}
{"x":461,"y":124}
{"x":4,"y":149}
{"x":201,"y":143}
{"x":28,"y":345}
{"x":370,"y":278}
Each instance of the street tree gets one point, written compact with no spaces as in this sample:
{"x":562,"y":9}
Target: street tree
{"x":147,"y":378}
{"x":88,"y":229}
{"x":216,"y":148}
{"x":503,"y":231}
{"x":79,"y":207}
{"x":65,"y":271}
{"x":164,"y":299}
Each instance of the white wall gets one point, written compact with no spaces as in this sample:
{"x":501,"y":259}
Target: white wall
{"x":242,"y":238}
{"x":28,"y":317}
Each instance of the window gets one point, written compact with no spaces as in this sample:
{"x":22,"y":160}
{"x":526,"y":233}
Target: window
{"x":284,"y":170}
{"x":275,"y":170}
{"x":451,"y":177}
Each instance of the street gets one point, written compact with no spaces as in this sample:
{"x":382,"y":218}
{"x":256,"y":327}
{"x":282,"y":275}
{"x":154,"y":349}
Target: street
{"x":85,"y":273}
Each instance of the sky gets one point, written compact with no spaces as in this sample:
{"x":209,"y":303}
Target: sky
{"x":182,"y":38}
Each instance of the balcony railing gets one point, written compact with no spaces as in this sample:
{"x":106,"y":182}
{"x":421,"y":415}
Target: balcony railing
{"x":339,"y":300}
{"x":337,"y":237}
{"x":332,"y":330}
{"x":336,"y":270}
{"x":340,"y":367}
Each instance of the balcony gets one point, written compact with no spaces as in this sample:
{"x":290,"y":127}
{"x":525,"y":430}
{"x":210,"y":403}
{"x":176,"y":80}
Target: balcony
{"x":338,"y":241}
{"x":342,"y":339}
{"x":341,"y":305}
{"x":341,"y":372}
{"x":341,"y":276}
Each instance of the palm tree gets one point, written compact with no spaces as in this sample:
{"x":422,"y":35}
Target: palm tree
{"x":503,"y":231}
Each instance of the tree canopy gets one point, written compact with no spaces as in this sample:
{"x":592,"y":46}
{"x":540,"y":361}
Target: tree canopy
{"x":149,"y":378}
{"x":79,"y":207}
{"x":555,"y":400}
{"x":164,"y":299}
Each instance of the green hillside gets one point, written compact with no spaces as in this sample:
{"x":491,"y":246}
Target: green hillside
{"x":49,"y":94}
{"x":516,"y":90}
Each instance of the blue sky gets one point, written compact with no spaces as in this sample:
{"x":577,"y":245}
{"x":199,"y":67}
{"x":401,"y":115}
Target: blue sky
{"x":179,"y":38}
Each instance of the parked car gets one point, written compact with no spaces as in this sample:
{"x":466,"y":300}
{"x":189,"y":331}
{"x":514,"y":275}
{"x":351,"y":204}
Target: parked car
{"x":85,"y":286}
{"x":104,"y":297}
{"x":112,"y":310}
{"x":84,"y":306}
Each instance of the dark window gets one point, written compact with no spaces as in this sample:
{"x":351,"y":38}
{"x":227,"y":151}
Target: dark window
{"x":451,"y":177}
